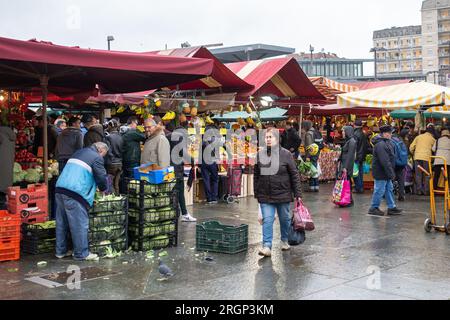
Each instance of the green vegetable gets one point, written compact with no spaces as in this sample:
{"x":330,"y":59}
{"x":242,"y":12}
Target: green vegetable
{"x":17,"y":167}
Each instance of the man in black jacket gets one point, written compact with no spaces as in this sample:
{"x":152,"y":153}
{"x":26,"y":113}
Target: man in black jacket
{"x":113,"y":160}
{"x":291,"y":140}
{"x":383,"y":169}
{"x":178,"y":140}
{"x":69,"y":141}
{"x":361,"y":153}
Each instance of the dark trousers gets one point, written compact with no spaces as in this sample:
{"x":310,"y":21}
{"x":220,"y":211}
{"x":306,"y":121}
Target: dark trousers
{"x":127,"y":174}
{"x":314,"y":182}
{"x":210,"y":175}
{"x":359,"y":180}
{"x":421,"y":181}
{"x":437,"y":170}
{"x":400,"y":178}
{"x":115,"y":170}
{"x":61,"y":165}
{"x":181,"y":199}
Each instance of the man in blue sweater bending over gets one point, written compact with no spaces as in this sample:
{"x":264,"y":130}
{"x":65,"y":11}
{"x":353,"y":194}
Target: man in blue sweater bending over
{"x":75,"y":192}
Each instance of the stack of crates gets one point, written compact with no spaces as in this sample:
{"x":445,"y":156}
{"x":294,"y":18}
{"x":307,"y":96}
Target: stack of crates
{"x":108,"y":226}
{"x":39,"y":238}
{"x":9,"y":236}
{"x":153,"y":215}
{"x":30,"y":203}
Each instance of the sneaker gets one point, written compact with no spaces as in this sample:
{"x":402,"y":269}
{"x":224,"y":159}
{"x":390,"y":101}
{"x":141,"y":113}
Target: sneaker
{"x":67,"y":255}
{"x":214,"y":202}
{"x":91,"y":257}
{"x":285,"y":246}
{"x":188,"y":218}
{"x":376,"y":212}
{"x":395,"y":212}
{"x":266,"y":252}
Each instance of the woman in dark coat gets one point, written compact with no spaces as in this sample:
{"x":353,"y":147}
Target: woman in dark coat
{"x":276,"y":185}
{"x":348,"y":155}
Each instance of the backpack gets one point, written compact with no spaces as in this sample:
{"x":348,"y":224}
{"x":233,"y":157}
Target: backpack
{"x":318,"y":139}
{"x":401,"y":153}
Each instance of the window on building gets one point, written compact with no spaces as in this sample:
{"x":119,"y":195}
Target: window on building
{"x":429,"y":27}
{"x":430,"y":63}
{"x":430,"y":52}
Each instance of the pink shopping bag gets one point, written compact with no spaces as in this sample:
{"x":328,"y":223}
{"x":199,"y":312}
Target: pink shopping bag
{"x":302,"y":217}
{"x":342,"y":195}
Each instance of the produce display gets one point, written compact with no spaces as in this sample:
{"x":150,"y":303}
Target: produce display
{"x":153,"y":201}
{"x":34,"y":174}
{"x":134,"y":187}
{"x":152,"y":215}
{"x":158,"y":242}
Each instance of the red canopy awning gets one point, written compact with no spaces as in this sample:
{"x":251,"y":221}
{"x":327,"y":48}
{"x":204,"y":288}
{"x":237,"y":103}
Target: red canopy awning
{"x":21,"y":63}
{"x":281,"y":77}
{"x":221,"y":76}
{"x":377,"y":84}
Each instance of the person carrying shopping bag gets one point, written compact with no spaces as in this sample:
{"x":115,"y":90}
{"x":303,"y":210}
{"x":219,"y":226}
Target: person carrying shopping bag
{"x":276,"y":185}
{"x":347,"y":159}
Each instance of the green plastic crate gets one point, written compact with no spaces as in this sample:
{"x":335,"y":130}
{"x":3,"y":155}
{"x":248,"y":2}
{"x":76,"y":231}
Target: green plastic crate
{"x":137,"y":187}
{"x":212,"y":236}
{"x":152,"y":215}
{"x":151,"y":201}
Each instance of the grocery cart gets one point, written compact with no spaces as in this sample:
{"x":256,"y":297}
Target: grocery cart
{"x":431,"y":223}
{"x":231,"y":185}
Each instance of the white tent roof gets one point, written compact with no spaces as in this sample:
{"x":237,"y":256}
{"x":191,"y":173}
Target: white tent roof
{"x":407,"y":95}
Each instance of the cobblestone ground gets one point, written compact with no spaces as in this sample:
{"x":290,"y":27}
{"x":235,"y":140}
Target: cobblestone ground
{"x":350,"y":256}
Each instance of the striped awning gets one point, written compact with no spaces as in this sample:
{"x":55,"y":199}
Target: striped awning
{"x":330,"y":88}
{"x":412,"y":95}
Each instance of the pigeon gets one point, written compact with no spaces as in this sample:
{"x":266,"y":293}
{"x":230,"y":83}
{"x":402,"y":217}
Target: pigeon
{"x":164,"y":270}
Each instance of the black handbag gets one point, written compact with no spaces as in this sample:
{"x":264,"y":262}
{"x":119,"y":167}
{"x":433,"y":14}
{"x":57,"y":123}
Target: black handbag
{"x":296,"y":237}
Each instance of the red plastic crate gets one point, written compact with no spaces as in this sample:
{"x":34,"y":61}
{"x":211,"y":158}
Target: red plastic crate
{"x":40,"y":218}
{"x":10,"y":249}
{"x":32,"y":194}
{"x":30,"y":209}
{"x":9,"y":224}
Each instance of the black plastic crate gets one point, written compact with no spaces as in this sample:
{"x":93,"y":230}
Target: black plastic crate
{"x":107,"y":233}
{"x":154,"y":243}
{"x":106,"y":219}
{"x":139,"y":216}
{"x":155,"y":201}
{"x":110,"y":206}
{"x":135,"y":231}
{"x":46,"y":230}
{"x":141,"y":187}
{"x":101,"y":248}
{"x":32,"y":245}
{"x":212,"y":236}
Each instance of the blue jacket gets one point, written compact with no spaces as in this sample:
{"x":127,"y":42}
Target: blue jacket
{"x":84,"y":171}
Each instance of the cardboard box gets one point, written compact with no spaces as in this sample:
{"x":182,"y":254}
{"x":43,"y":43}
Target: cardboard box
{"x":199,"y":191}
{"x":244,"y":186}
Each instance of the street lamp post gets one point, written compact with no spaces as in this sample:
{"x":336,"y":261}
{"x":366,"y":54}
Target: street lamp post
{"x":109,"y":39}
{"x":375,"y":50}
{"x":311,"y":49}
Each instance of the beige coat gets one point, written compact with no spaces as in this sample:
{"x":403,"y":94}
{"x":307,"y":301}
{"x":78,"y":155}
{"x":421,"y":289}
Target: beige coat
{"x":157,"y":150}
{"x":442,"y":149}
{"x":422,"y":146}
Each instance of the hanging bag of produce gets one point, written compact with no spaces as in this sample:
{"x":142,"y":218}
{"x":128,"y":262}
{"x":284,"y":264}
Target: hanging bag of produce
{"x":302,"y":217}
{"x":355,"y":170}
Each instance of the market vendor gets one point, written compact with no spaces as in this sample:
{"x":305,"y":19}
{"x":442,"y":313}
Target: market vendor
{"x":157,"y":147}
{"x":7,"y":150}
{"x":75,"y":191}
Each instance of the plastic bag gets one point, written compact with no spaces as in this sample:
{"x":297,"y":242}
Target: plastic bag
{"x":342,"y":195}
{"x":302,"y":218}
{"x":355,"y":170}
{"x":296,"y":237}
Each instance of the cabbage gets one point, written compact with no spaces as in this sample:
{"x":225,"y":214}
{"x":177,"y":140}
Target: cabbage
{"x":17,"y":167}
{"x":32,"y":176}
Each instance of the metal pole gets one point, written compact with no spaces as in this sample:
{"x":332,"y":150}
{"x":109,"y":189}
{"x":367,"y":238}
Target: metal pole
{"x":44,"y":86}
{"x":109,"y":45}
{"x":376,"y":71}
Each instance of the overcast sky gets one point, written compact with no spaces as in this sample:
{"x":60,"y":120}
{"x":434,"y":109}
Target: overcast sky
{"x":341,"y":26}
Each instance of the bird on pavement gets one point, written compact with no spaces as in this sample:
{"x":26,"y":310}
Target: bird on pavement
{"x":164,"y":270}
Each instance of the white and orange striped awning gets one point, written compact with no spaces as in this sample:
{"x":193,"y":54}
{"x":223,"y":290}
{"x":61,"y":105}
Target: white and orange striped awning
{"x":408,"y":95}
{"x":330,"y":88}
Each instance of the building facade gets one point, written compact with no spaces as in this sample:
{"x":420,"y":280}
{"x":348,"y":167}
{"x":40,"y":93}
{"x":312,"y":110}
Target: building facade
{"x":399,"y":52}
{"x":436,"y":40}
{"x":331,"y":66}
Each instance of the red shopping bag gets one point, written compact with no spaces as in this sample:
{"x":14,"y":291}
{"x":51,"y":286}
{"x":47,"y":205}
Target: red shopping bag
{"x":302,"y":217}
{"x":342,"y":195}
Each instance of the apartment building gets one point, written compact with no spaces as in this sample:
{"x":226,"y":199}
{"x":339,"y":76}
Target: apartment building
{"x":399,"y":52}
{"x":436,"y":40}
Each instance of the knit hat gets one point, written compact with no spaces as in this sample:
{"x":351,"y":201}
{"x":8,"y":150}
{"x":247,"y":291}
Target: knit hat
{"x":358,"y":123}
{"x":385,"y":129}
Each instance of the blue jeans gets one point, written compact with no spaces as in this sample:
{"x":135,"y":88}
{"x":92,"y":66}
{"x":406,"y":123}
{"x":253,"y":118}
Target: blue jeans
{"x":314,"y":182}
{"x":359,"y":180}
{"x":383,"y":188}
{"x":71,"y":216}
{"x":268,"y":213}
{"x":210,"y":175}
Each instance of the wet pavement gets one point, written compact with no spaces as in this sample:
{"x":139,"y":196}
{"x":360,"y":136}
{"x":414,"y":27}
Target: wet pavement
{"x":350,"y":255}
